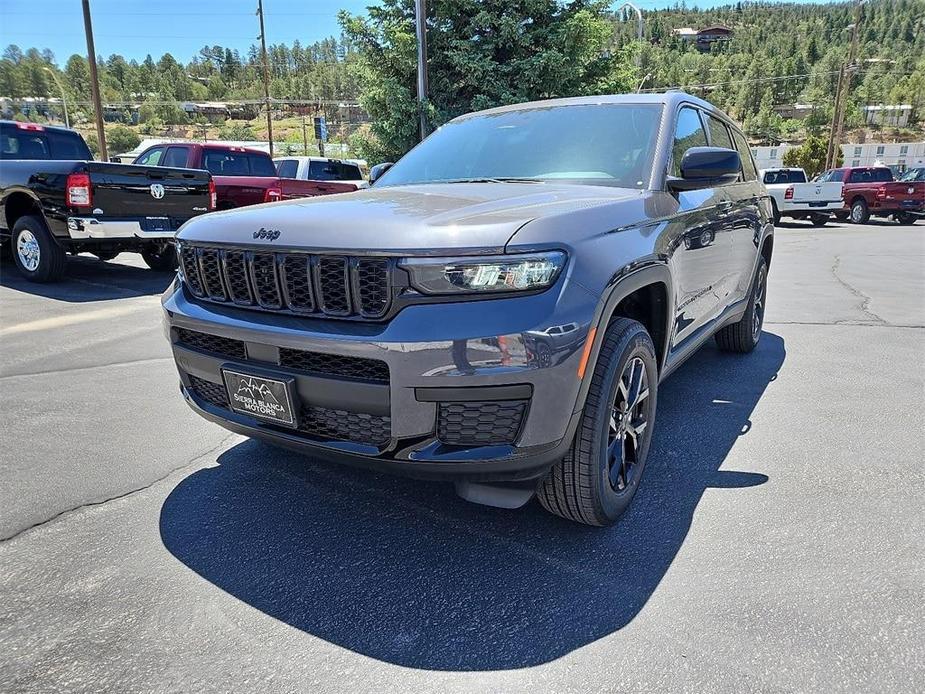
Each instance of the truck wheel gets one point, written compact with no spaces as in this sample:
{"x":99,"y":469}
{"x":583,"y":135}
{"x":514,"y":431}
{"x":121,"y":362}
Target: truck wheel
{"x":905,"y":217}
{"x":36,"y":253}
{"x":817,"y":219}
{"x":161,"y":258}
{"x":742,"y":337}
{"x":775,"y":213}
{"x":106,"y":255}
{"x":598,"y":477}
{"x":841,"y":216}
{"x":859,"y":212}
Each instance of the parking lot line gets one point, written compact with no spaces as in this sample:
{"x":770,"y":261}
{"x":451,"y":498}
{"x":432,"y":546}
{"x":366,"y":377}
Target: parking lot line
{"x":75,"y":318}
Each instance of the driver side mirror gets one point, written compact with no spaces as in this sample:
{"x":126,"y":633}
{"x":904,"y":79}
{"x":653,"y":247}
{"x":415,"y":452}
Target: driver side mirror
{"x":707,"y":167}
{"x":376,"y":172}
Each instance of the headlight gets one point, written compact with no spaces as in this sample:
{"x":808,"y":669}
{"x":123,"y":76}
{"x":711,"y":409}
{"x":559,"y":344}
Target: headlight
{"x":505,"y":273}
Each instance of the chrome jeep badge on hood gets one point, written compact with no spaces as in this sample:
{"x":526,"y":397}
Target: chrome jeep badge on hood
{"x":268,"y":234}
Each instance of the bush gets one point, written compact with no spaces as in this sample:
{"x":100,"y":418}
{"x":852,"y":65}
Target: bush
{"x":120,"y":139}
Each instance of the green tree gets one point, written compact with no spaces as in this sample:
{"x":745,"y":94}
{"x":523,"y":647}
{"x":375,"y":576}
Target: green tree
{"x":480,"y":55}
{"x":810,"y":156}
{"x":120,"y":139}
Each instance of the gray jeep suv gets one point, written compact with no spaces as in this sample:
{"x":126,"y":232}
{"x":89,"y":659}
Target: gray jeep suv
{"x":498,"y":309}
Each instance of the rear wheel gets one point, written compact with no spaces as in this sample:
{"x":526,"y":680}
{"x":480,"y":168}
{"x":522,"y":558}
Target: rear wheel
{"x":743,"y":336}
{"x":817,"y":219}
{"x":600,"y":474}
{"x":905,"y":217}
{"x":36,"y":253}
{"x":859,"y":211}
{"x":161,"y":258}
{"x":841,"y":216}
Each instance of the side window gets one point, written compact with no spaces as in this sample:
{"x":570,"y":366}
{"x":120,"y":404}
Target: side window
{"x":287,"y":168}
{"x":719,"y":135}
{"x":152,"y":157}
{"x":688,"y":133}
{"x":749,"y":172}
{"x":176,"y":156}
{"x":857,"y":176}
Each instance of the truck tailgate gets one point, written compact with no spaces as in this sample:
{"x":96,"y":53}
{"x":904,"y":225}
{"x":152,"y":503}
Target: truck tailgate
{"x":297,"y":188}
{"x":816,"y":192}
{"x":132,"y":191}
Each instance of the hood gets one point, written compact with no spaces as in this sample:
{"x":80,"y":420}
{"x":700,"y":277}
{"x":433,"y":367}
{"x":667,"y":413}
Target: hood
{"x":433,"y":218}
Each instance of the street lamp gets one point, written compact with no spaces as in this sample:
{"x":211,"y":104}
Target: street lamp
{"x":67,"y":121}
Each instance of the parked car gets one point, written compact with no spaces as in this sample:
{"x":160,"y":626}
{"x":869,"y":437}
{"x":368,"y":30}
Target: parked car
{"x":320,"y":169}
{"x":387,"y":327}
{"x":913,"y":174}
{"x":242,"y":176}
{"x":792,"y":196}
{"x":871,"y":191}
{"x":56,"y":200}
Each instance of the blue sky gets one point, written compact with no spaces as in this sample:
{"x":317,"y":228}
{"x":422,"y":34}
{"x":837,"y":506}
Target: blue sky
{"x":134,"y":28}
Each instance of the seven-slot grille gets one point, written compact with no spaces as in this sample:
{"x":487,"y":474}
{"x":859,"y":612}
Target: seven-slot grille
{"x":301,"y":283}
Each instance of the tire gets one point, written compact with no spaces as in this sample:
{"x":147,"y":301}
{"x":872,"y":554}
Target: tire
{"x":106,"y":255}
{"x":841,"y":216}
{"x":817,"y":219}
{"x":775,"y":213}
{"x":589,"y":485}
{"x":161,"y":258}
{"x":859,"y":211}
{"x":742,"y":337}
{"x":905,"y":218}
{"x":37,"y":255}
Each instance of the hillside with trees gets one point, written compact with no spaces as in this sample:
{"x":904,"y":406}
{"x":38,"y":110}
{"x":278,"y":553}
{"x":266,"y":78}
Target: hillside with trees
{"x":495,"y":52}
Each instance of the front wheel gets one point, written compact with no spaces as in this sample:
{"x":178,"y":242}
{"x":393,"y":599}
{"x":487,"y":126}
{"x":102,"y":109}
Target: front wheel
{"x":161,"y":258}
{"x":743,"y":336}
{"x":775,"y":213}
{"x":37,"y":255}
{"x":600,"y":474}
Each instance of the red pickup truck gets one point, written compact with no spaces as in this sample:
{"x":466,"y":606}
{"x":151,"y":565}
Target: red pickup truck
{"x":872,"y":190}
{"x":242,"y":176}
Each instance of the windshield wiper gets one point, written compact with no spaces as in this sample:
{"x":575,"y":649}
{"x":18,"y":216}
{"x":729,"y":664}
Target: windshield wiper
{"x":502,"y":179}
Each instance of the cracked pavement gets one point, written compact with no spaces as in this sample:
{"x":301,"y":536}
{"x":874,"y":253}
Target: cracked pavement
{"x":775,"y":544}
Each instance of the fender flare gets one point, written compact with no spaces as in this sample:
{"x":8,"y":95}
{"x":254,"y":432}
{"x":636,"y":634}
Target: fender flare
{"x":623,"y":283}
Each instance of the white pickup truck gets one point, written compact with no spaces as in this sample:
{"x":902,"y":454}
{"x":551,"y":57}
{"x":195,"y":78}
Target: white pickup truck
{"x":792,"y":196}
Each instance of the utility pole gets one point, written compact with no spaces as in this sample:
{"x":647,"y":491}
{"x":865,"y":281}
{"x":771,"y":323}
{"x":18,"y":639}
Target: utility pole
{"x":420,"y":21}
{"x":266,"y":74}
{"x":95,"y":82}
{"x":841,"y":92}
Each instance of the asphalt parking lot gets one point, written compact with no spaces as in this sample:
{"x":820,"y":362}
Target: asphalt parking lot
{"x":776,"y":543}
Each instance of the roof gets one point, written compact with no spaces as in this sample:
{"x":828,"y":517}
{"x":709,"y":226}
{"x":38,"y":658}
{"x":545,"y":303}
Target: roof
{"x":672,"y":98}
{"x":43,"y":126}
{"x":893,"y":107}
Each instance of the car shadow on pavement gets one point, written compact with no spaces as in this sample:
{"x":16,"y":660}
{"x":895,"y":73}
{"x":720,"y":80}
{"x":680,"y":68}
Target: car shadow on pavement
{"x":405,"y":572}
{"x":88,"y":279}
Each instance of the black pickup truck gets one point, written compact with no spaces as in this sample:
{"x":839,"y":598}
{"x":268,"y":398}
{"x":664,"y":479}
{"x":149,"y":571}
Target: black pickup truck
{"x":55,"y":200}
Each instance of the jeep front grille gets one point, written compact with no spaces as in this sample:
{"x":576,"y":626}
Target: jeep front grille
{"x":332,"y":286}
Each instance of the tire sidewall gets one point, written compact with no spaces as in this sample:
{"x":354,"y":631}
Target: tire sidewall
{"x":861,"y":217}
{"x":635,"y":344}
{"x":46,"y":251}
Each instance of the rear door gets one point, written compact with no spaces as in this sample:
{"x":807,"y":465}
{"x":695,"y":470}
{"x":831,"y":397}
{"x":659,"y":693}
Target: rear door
{"x":749,"y":215}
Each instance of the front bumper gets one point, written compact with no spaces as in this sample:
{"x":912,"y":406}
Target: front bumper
{"x":79,"y":228}
{"x":471,"y":390}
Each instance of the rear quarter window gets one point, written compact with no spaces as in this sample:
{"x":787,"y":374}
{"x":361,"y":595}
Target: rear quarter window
{"x":287,"y":168}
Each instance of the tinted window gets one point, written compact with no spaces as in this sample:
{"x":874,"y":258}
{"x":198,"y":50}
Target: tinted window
{"x":784,"y":176}
{"x":600,"y":144}
{"x":877,"y":175}
{"x":229,"y":163}
{"x":287,"y":168}
{"x":333,"y":171}
{"x":719,"y":136}
{"x":688,"y":133}
{"x":833,"y":176}
{"x":152,"y":157}
{"x":176,"y":156}
{"x":17,"y":143}
{"x":748,"y":164}
{"x":68,"y":146}
{"x":913,"y":175}
{"x":23,"y":144}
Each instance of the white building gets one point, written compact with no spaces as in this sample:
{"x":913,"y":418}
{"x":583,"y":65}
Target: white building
{"x":901,"y":154}
{"x":896,"y":115}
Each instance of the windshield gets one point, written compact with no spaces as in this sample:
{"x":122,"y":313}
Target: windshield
{"x":601,"y":144}
{"x":913,"y":175}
